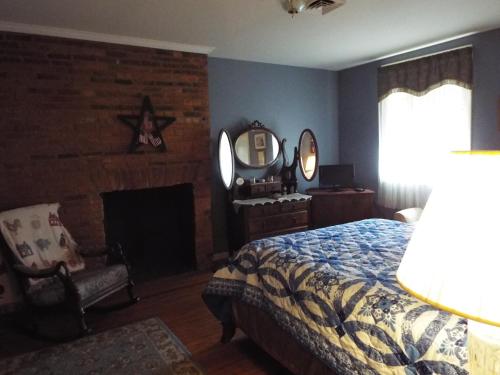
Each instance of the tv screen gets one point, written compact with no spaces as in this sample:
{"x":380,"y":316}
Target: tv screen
{"x":338,"y":176}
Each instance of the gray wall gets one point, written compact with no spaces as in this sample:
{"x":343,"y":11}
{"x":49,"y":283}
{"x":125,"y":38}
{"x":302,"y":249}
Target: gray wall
{"x":358,"y":105}
{"x":286,"y":99}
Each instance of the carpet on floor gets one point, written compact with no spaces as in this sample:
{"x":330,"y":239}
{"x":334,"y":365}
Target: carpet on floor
{"x":146,"y":347}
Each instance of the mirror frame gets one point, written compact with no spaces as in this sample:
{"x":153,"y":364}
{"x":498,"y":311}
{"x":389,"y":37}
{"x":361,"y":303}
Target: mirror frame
{"x":256,"y":125}
{"x":316,"y":167}
{"x":233,"y":167}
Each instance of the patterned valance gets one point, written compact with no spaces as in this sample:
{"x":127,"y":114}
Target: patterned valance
{"x":418,"y":77}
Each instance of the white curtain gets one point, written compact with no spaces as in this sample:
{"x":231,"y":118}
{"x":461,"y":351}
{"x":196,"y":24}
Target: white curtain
{"x":415,"y":132}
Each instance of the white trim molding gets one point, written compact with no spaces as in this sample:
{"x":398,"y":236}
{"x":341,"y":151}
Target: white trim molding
{"x":101,"y":37}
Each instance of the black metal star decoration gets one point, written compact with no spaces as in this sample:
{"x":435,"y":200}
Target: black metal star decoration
{"x":147,"y":127}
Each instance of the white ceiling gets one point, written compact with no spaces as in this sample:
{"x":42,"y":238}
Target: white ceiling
{"x":259,"y":30}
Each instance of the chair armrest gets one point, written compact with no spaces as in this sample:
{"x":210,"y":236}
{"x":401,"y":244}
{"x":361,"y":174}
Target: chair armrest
{"x":42,"y":274}
{"x":409,"y":215}
{"x":114,"y":254}
{"x":117,"y":254}
{"x":100,"y":252}
{"x":60,"y":270}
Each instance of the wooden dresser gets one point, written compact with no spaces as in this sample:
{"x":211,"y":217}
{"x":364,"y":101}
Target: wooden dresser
{"x":330,"y":207}
{"x":253,"y":219}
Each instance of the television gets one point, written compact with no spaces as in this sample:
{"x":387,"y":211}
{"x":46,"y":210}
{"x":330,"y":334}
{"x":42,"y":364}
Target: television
{"x":336,"y":176}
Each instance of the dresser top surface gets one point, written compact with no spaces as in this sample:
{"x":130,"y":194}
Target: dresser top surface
{"x":330,"y":191}
{"x":263,"y":201}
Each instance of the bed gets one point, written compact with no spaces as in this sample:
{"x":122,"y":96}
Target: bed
{"x":326,"y":301}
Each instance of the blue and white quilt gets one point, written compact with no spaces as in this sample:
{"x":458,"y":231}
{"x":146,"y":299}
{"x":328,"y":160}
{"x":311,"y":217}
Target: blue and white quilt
{"x":335,"y":291}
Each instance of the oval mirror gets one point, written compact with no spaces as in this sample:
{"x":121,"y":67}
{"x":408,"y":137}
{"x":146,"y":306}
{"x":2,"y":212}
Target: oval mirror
{"x":257,"y":148}
{"x":226,"y":159}
{"x":308,"y":154}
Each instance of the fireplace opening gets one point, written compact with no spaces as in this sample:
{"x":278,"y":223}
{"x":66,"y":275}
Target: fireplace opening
{"x":155,"y":228}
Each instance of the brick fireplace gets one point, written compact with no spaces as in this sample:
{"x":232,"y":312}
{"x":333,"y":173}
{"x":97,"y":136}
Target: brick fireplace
{"x":155,"y":228}
{"x":60,"y":139}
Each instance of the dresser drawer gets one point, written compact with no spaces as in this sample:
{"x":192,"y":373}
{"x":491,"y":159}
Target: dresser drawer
{"x":294,"y":206}
{"x":277,"y":222}
{"x":273,"y":187}
{"x":250,"y":222}
{"x":257,"y":189}
{"x":264,"y":210}
{"x":332,"y":208}
{"x":277,"y":208}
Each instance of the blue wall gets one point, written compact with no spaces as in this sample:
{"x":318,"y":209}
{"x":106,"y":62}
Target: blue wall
{"x":358,"y":104}
{"x":286,"y":99}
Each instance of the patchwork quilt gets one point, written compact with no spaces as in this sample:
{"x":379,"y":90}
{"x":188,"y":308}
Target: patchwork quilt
{"x":38,"y":239}
{"x":335,"y":291}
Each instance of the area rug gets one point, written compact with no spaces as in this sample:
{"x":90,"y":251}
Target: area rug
{"x":146,"y":347}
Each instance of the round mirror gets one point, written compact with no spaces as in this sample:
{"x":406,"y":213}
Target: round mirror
{"x":226,"y":159}
{"x":308,"y":154}
{"x":257,"y":148}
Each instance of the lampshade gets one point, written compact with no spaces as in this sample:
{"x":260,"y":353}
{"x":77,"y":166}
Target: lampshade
{"x":453,"y":258}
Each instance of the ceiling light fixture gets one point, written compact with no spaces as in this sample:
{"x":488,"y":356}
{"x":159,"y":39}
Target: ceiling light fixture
{"x":298,"y":6}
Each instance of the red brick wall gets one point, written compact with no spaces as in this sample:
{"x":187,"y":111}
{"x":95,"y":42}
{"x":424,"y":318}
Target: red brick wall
{"x":60,"y":139}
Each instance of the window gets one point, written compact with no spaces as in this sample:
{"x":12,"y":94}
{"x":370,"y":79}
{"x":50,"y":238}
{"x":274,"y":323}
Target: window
{"x":418,"y":128}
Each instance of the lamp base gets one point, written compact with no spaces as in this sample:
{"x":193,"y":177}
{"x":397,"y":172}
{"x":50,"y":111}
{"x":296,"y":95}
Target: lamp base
{"x":484,"y":348}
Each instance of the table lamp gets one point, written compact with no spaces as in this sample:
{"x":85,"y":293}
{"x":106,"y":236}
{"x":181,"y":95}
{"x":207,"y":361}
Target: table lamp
{"x":453,"y":258}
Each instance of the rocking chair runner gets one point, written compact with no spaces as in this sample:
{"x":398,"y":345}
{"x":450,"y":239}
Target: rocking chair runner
{"x":52,"y":270}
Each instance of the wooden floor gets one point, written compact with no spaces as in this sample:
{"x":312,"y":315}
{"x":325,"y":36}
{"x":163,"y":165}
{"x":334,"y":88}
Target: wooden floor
{"x":177,"y":301}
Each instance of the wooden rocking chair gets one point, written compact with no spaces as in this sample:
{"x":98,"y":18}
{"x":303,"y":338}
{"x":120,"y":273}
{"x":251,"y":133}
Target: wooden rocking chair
{"x":51,"y":267}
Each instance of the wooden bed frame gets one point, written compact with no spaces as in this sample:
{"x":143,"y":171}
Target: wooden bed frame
{"x":263,"y":330}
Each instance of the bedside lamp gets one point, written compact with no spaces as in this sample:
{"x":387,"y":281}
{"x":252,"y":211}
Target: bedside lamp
{"x":453,"y":258}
